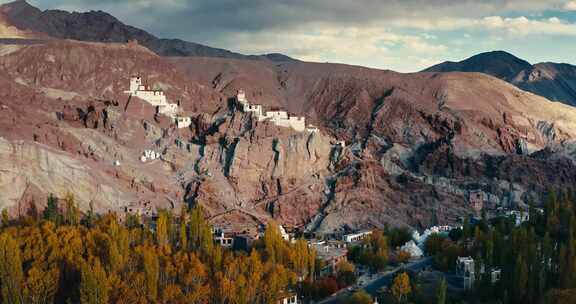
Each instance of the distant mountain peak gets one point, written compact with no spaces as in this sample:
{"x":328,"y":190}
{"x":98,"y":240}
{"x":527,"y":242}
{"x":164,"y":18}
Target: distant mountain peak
{"x":100,"y":26}
{"x":552,"y":80}
{"x":499,"y":64}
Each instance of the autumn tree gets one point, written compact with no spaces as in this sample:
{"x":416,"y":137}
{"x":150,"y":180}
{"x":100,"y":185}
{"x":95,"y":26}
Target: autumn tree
{"x":200,"y":235}
{"x":5,"y":221}
{"x":162,"y":228}
{"x":360,"y":297}
{"x":401,"y":287}
{"x":151,"y":272}
{"x":72,"y":215}
{"x":41,"y":285}
{"x":274,"y":245}
{"x":11,"y":274}
{"x":93,"y":284}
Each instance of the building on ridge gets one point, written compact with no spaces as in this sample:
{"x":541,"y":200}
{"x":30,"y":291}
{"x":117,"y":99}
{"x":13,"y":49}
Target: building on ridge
{"x":278,"y":118}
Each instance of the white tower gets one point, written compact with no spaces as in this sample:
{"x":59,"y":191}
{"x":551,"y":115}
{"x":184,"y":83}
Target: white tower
{"x":135,"y":83}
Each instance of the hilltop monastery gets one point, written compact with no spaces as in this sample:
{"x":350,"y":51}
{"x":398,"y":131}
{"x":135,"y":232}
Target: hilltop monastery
{"x":158,"y":99}
{"x":279,"y":118}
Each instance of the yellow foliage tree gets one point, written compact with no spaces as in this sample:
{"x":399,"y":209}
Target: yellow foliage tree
{"x":401,"y":287}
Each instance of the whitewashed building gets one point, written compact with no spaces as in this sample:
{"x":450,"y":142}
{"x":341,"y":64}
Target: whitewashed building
{"x":278,"y":118}
{"x":355,"y":237}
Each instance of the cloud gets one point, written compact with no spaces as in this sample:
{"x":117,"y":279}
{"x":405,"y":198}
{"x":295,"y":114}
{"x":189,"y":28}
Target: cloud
{"x":398,"y":34}
{"x":368,"y":46}
{"x":517,"y":25}
{"x":570,"y":6}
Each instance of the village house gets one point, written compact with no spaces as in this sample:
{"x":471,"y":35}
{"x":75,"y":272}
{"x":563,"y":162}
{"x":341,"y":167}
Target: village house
{"x":476,"y":201}
{"x":183,"y":122}
{"x":355,"y":237}
{"x":465,"y":268}
{"x":289,"y":299}
{"x":331,"y":253}
{"x":519,"y":216}
{"x":223,"y":239}
{"x":149,"y":155}
{"x":141,"y":209}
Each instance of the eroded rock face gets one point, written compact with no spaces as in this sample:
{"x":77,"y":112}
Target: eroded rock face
{"x":399,"y":149}
{"x":243,"y":166}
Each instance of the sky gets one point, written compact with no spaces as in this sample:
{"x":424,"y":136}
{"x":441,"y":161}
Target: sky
{"x":401,"y":35}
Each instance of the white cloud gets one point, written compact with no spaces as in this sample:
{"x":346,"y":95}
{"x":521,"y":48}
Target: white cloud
{"x":374,"y":46}
{"x":517,"y":25}
{"x":570,"y":6}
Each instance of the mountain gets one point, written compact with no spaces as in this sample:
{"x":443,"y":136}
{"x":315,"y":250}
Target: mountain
{"x":98,"y":26}
{"x":415,"y":144}
{"x":554,"y":81}
{"x":392,"y":148}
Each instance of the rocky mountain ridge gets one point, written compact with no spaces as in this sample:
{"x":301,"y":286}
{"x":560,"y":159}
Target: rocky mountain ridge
{"x":555,"y":81}
{"x":398,"y":149}
{"x":98,"y":26}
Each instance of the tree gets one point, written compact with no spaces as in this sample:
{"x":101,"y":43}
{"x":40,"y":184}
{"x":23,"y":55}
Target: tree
{"x":401,"y":287}
{"x":93,"y":284}
{"x":11,"y":274}
{"x":5,"y":218}
{"x":41,"y":285}
{"x":434,"y":244}
{"x":162,"y":228}
{"x":52,"y":213}
{"x":441,"y":292}
{"x":346,"y":275}
{"x":200,"y":235}
{"x":72,"y":215}
{"x":273,"y":242}
{"x":360,"y":297}
{"x":151,"y":272}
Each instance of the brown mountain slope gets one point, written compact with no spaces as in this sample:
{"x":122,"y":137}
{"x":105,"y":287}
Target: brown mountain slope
{"x":416,"y":144}
{"x":98,"y":26}
{"x":552,"y":80}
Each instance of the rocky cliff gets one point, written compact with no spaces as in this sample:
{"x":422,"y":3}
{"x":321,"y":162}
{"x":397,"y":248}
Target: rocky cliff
{"x":399,"y":149}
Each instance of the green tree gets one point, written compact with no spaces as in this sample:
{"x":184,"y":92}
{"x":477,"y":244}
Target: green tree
{"x":93,"y":284}
{"x":11,"y":274}
{"x":52,"y":213}
{"x":441,"y":292}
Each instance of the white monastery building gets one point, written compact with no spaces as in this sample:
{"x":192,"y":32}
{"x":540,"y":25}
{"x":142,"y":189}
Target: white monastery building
{"x":279,"y":118}
{"x":158,"y":99}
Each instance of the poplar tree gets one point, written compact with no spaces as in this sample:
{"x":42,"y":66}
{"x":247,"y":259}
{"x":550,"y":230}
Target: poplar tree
{"x":151,"y":272}
{"x":11,"y":274}
{"x":5,"y":218}
{"x":401,"y":287}
{"x":93,"y":284}
{"x":72,"y":215}
{"x":52,"y":213}
{"x":162,"y":229}
{"x":441,"y":292}
{"x":200,"y":237}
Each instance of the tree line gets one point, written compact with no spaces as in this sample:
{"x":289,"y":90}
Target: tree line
{"x":62,"y":256}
